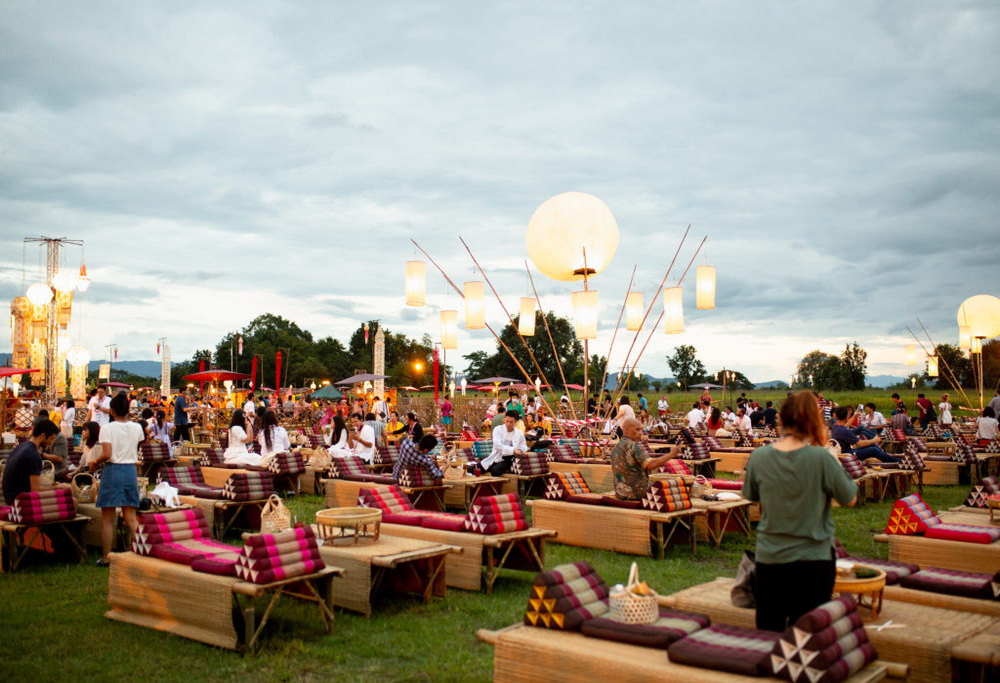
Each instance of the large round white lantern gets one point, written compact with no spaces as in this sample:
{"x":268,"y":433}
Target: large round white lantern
{"x":78,"y":356}
{"x":981,"y":313}
{"x":39,"y":294}
{"x":64,"y":281}
{"x":565,"y":226}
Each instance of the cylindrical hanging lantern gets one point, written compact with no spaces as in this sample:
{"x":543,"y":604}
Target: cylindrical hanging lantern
{"x":39,"y":294}
{"x":526,"y":319}
{"x":475,"y":313}
{"x":78,"y":381}
{"x":585,"y":314}
{"x":673,"y":310}
{"x":911,"y":354}
{"x":449,"y":330}
{"x":37,"y":362}
{"x":64,"y":306}
{"x":634,"y":311}
{"x":964,"y":337}
{"x":705,"y":287}
{"x":416,"y":283}
{"x":977,"y":345}
{"x":932,"y":366}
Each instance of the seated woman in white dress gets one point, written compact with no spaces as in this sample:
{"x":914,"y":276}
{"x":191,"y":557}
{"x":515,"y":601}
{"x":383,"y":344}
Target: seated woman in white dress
{"x":273,"y":438}
{"x":339,"y":445}
{"x":240,"y":434}
{"x":161,"y":429}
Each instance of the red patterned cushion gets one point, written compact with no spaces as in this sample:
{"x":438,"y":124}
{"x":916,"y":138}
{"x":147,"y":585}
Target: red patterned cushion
{"x":349,"y":464}
{"x":154,"y":451}
{"x":215,"y":565}
{"x":697,"y":451}
{"x":952,"y":582}
{"x":47,"y":505}
{"x":388,"y":500}
{"x":497,"y":514}
{"x":666,"y":496}
{"x":726,"y":648}
{"x":910,"y":515}
{"x":562,"y":484}
{"x":443,"y":520}
{"x":527,"y":464}
{"x":964,"y":532}
{"x":675,"y":466}
{"x":852,"y":465}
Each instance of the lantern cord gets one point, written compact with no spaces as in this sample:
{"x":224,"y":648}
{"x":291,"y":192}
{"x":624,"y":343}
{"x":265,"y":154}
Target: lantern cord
{"x":510,"y":319}
{"x":527,"y":377}
{"x":950,"y":376}
{"x":660,"y":318}
{"x":555,"y":354}
{"x":611,"y":348}
{"x":656,"y":296}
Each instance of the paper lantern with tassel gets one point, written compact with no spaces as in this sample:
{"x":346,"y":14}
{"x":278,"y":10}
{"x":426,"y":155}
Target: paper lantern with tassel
{"x":673,"y":310}
{"x":932,"y":366}
{"x":416,"y":283}
{"x":634,"y":311}
{"x":82,"y":280}
{"x":526,"y":319}
{"x":705,"y":287}
{"x":37,"y":361}
{"x":585,"y":314}
{"x":78,"y":381}
{"x":449,"y":330}
{"x":475,"y":313}
{"x":64,"y":306}
{"x":911,"y":354}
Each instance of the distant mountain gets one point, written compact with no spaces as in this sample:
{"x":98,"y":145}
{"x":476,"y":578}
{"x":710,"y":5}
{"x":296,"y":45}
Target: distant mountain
{"x":773,"y":384}
{"x":612,"y":380}
{"x":882,"y":381}
{"x":142,"y":368}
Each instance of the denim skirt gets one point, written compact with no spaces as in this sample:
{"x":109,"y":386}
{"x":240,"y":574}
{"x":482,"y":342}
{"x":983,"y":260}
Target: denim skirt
{"x":119,"y":487}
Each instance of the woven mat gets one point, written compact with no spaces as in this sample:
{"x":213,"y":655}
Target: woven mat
{"x":980,"y":558}
{"x":595,"y":526}
{"x":920,"y":635}
{"x":172,"y":597}
{"x":975,"y":517}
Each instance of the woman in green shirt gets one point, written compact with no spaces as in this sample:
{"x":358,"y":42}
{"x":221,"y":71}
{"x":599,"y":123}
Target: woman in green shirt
{"x":794,"y":479}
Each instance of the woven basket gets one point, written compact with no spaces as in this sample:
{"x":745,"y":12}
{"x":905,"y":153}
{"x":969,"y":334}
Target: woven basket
{"x":318,"y":458}
{"x":352,"y":525}
{"x":629,"y":608}
{"x":143,"y":483}
{"x":48,"y":475}
{"x":85,"y":490}
{"x":274,"y":516}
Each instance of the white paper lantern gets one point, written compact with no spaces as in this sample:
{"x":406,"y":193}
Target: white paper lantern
{"x":911,"y":354}
{"x":673,"y":310}
{"x":635,"y":309}
{"x":416,"y":283}
{"x":526,"y":318}
{"x":64,"y":281}
{"x":964,"y":337}
{"x":705,"y":288}
{"x":981,"y":313}
{"x":39,"y":294}
{"x":449,"y":330}
{"x":932,"y":366}
{"x":565,"y":225}
{"x":475,"y":314}
{"x":585,"y":314}
{"x":78,"y":356}
{"x":82,"y":280}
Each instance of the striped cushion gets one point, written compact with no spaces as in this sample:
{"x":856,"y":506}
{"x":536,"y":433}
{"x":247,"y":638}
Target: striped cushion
{"x":168,"y":527}
{"x":211,"y":457}
{"x":981,"y":491}
{"x":287,"y":463}
{"x":530,"y":463}
{"x":964,"y":532}
{"x":670,"y":626}
{"x":963,"y":453}
{"x":852,"y":465}
{"x":482,"y":448}
{"x":561,"y":453}
{"x":726,"y":648}
{"x":348,"y":464}
{"x":243,"y":486}
{"x":666,"y":496}
{"x":686,"y":436}
{"x":713,"y":443}
{"x":952,"y":582}
{"x":910,"y":515}
{"x":47,"y":505}
{"x":698,"y":451}
{"x":268,"y":558}
{"x":497,"y":514}
{"x":561,"y":484}
{"x":154,"y":451}
{"x":388,"y":500}
{"x":675,"y":466}
{"x":566,"y":597}
{"x":415,"y":476}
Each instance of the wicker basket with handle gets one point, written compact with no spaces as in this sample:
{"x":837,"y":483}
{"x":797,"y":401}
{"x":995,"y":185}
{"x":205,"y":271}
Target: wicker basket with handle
{"x":84,"y":487}
{"x":629,"y":607}
{"x":48,"y":475}
{"x":274,"y":516}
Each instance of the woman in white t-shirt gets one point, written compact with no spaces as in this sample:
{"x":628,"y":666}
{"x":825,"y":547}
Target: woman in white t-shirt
{"x":273,"y":438}
{"x":240,"y":434}
{"x":119,"y":441}
{"x":68,"y":418}
{"x":944,"y":412}
{"x":986,"y":426}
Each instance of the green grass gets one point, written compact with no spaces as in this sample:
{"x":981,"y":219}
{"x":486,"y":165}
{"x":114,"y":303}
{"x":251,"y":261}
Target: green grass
{"x":53,"y":624}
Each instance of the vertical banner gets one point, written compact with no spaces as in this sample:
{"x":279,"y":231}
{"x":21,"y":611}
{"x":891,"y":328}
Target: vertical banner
{"x":437,"y":368}
{"x":253,"y":373}
{"x":165,"y":371}
{"x":277,"y":373}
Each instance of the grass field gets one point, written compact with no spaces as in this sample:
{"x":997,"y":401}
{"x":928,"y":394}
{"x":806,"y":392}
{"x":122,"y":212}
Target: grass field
{"x":52,"y":623}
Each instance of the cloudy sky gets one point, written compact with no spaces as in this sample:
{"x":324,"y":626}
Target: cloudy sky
{"x":222,"y":160}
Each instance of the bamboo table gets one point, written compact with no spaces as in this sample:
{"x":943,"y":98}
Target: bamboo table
{"x":862,"y":588}
{"x":19,"y":538}
{"x":462,"y":492}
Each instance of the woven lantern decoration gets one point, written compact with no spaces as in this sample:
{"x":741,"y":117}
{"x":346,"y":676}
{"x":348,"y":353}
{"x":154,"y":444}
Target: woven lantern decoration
{"x":64,"y":306}
{"x":416,"y":283}
{"x":526,"y":319}
{"x":37,"y":361}
{"x":932,"y":366}
{"x":964,"y":337}
{"x":705,"y":288}
{"x":475,"y":306}
{"x":634,"y":311}
{"x":449,"y":329}
{"x":21,"y":306}
{"x":585,"y":314}
{"x":78,"y":381}
{"x":911,"y":354}
{"x":673,"y":310}
{"x":566,"y":225}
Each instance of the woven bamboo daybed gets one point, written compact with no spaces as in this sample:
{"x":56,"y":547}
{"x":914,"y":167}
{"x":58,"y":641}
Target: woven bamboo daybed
{"x":482,"y":556}
{"x":635,"y":532}
{"x":526,"y":653}
{"x":919,"y":635}
{"x":344,"y":493}
{"x":217,"y":610}
{"x":598,"y":475}
{"x":980,"y":558}
{"x":392,"y":563}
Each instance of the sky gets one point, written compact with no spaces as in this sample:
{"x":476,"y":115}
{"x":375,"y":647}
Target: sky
{"x":228,"y":159}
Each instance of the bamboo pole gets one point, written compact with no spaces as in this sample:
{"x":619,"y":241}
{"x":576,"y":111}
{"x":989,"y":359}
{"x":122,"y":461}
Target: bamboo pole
{"x":548,"y":331}
{"x":604,"y":377}
{"x":951,"y":377}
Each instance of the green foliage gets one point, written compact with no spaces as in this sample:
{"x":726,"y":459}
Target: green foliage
{"x":853,"y":368}
{"x":825,"y":372}
{"x":686,"y":366}
{"x":568,"y":349}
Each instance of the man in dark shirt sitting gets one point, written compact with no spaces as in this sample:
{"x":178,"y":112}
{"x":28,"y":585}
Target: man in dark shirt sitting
{"x":770,"y":415}
{"x":24,"y":465}
{"x":864,"y":449}
{"x":414,"y":454}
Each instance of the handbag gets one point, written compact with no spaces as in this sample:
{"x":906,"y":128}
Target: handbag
{"x":84,"y":487}
{"x":741,"y":594}
{"x":834,"y":447}
{"x":630,"y":607}
{"x":48,"y":475}
{"x":274,"y":516}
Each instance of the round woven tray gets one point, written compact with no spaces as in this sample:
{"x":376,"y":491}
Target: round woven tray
{"x":348,"y":525}
{"x":993,"y":503}
{"x":851,"y":584}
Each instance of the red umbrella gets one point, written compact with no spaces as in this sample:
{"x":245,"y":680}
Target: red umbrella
{"x":409,"y":389}
{"x":7,"y":372}
{"x":116,"y":385}
{"x":215,"y":375}
{"x":575,"y":387}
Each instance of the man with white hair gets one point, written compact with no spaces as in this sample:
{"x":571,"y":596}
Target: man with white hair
{"x":631,"y":464}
